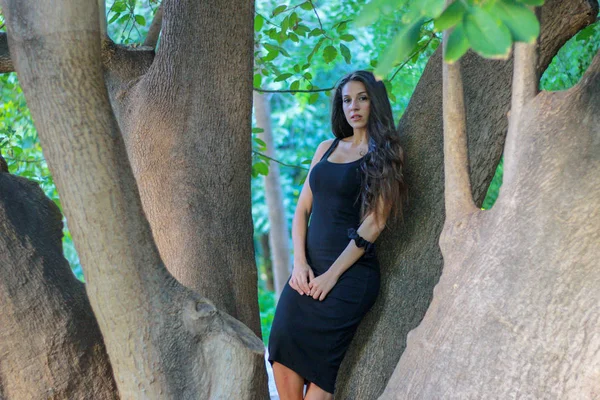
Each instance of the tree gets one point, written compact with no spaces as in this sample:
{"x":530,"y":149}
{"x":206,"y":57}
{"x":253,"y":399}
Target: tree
{"x":278,"y":230}
{"x":518,"y":293}
{"x":413,"y":263}
{"x":137,"y":305}
{"x":162,"y":338}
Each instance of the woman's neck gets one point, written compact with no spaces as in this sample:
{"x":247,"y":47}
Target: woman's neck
{"x":359,"y":137}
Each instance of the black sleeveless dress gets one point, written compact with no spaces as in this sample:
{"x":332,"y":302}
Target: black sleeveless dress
{"x":311,"y":336}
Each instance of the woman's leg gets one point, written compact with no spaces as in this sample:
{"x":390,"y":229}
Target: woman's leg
{"x":290,"y":385}
{"x":316,"y":393}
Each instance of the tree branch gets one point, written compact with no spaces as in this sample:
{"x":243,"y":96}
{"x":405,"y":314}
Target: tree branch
{"x":6,"y":64}
{"x":154,"y":31}
{"x":277,"y":161}
{"x":458,"y":196}
{"x":525,"y":86}
{"x":260,"y":90}
{"x":420,"y":49}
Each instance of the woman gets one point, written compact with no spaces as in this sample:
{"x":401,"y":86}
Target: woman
{"x":355,"y":182}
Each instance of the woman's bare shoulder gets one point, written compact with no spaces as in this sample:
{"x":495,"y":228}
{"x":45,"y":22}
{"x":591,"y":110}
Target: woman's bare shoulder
{"x":321,"y":149}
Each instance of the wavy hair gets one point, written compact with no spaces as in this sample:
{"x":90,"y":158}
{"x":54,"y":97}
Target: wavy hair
{"x":382,"y":167}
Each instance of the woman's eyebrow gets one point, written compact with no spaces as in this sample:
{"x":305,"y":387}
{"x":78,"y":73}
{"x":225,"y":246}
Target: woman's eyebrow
{"x":347,"y":95}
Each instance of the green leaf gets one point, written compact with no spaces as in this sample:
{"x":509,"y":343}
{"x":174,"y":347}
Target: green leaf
{"x":295,"y":85}
{"x":257,"y":80}
{"x":301,"y":30}
{"x":372,"y":10}
{"x":293,"y":19}
{"x":285,"y":24}
{"x":404,"y":42}
{"x":114,"y":18}
{"x":260,"y":142}
{"x":457,"y":45}
{"x":487,"y":35}
{"x":347,"y":38}
{"x":329,"y":54}
{"x":451,"y":16}
{"x":342,"y":26}
{"x":313,"y":98}
{"x":520,"y":20}
{"x":306,"y":6}
{"x":316,"y":32}
{"x":119,"y":7}
{"x":140,"y":20}
{"x":271,"y":47}
{"x":271,"y":56}
{"x":124,"y":18}
{"x":308,"y":76}
{"x":262,"y":168}
{"x":315,"y":49}
{"x":259,"y":21}
{"x":307,"y":161}
{"x":257,"y":130}
{"x":430,"y":8}
{"x":293,"y":37}
{"x":279,"y":10}
{"x":282,"y":77}
{"x":345,"y":53}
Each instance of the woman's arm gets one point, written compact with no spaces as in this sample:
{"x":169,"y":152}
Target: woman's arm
{"x":302,"y":274}
{"x":369,"y":229}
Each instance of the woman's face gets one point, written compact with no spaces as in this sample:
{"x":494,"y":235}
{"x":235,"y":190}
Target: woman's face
{"x":356,"y":104}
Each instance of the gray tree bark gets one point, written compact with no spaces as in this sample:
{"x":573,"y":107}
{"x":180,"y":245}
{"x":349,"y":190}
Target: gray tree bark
{"x":411,"y":261}
{"x":516,"y":312}
{"x":279,"y":240}
{"x":185,"y":116}
{"x":163,"y":340}
{"x":50,"y":343}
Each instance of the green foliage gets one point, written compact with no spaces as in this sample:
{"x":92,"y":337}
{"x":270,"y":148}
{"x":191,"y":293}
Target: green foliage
{"x":267,"y":305}
{"x":572,"y":60}
{"x":487,"y":35}
{"x":494,"y":189}
{"x":128,"y":20}
{"x":488,"y":26}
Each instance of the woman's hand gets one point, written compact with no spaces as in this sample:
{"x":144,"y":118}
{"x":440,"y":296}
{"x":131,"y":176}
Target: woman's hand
{"x":301,"y":275}
{"x":322,"y":285}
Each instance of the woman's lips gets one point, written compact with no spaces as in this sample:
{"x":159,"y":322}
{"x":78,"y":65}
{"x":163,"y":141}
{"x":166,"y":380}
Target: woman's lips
{"x":355,"y":117}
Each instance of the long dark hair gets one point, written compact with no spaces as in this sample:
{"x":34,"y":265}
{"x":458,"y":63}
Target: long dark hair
{"x":382,"y":167}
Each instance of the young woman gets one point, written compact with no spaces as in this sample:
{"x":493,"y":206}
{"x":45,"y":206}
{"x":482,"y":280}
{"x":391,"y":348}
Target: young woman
{"x":355,"y":182}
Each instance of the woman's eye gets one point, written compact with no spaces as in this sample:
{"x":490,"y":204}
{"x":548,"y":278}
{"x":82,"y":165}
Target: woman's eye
{"x":346,"y":100}
{"x":363,"y":98}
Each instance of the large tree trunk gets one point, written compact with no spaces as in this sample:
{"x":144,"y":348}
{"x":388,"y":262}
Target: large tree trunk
{"x":279,"y":239}
{"x":50,"y":343}
{"x":517,"y":310}
{"x":164,"y":340}
{"x":186,"y":123}
{"x":411,"y":261}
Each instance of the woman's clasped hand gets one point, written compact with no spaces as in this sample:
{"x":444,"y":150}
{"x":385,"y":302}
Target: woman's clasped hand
{"x":304,"y":282}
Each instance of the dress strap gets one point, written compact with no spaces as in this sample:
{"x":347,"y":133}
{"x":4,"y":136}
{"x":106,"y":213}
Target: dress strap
{"x":330,"y":149}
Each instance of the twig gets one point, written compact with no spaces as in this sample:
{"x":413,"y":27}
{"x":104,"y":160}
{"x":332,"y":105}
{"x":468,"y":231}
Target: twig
{"x":318,"y":18}
{"x":277,"y":161}
{"x":412,"y":55}
{"x":24,"y":161}
{"x":292,"y":91}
